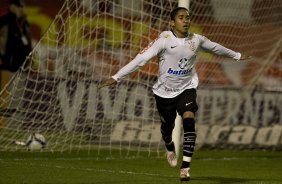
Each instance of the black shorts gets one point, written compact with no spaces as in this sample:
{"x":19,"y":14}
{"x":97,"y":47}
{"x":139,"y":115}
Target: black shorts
{"x":167,"y":107}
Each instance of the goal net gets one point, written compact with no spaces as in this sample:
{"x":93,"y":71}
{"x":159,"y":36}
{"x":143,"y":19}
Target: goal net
{"x":56,"y":93}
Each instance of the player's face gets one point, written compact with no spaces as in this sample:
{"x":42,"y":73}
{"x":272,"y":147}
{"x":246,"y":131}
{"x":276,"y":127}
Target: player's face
{"x":181,"y":23}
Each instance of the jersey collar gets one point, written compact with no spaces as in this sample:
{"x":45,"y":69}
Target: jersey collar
{"x":176,"y":36}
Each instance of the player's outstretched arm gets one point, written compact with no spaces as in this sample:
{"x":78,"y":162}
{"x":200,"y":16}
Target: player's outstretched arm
{"x":245,"y":57}
{"x":107,"y":82}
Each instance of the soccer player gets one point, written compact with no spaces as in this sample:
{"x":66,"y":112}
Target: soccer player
{"x":175,"y":89}
{"x":16,"y":36}
{"x":15,"y":46}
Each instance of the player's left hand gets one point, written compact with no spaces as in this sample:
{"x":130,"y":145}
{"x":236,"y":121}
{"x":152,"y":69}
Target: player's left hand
{"x":245,"y":57}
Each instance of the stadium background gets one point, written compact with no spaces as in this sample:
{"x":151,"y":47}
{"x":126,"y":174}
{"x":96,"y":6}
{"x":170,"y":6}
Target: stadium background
{"x":41,"y":14}
{"x":112,"y":136}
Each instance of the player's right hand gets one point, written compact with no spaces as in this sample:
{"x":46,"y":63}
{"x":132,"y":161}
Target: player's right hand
{"x":107,"y":82}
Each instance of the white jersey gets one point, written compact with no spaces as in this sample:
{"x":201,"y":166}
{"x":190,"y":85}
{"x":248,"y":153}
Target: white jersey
{"x":177,"y":57}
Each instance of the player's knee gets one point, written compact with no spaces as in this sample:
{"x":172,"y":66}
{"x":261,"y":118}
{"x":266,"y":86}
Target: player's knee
{"x":167,"y":127}
{"x":166,"y":133}
{"x":188,"y":114}
{"x":167,"y":138}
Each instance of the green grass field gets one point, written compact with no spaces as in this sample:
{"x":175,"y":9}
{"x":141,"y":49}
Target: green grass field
{"x":208,"y":167}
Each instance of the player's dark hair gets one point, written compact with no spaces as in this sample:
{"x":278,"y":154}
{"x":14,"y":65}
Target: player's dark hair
{"x":175,"y":11}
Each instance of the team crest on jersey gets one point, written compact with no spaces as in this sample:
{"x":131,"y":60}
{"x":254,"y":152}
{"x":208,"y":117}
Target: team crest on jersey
{"x":189,"y":41}
{"x":192,"y":45}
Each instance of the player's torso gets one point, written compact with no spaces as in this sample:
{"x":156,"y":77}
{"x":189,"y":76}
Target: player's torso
{"x":177,"y":60}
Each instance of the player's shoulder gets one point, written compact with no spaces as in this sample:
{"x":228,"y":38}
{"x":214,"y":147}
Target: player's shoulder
{"x":166,"y":34}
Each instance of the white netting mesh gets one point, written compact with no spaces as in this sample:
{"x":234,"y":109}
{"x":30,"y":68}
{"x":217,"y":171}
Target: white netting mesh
{"x":56,"y":94}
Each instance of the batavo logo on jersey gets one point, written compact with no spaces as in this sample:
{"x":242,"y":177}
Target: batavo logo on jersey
{"x":179,"y":72}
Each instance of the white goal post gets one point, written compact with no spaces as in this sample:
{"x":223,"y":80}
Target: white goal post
{"x":88,"y":41}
